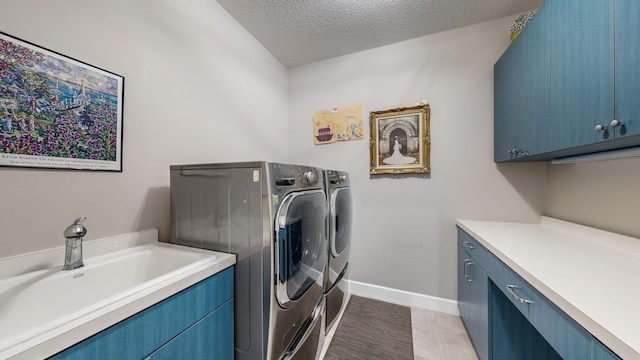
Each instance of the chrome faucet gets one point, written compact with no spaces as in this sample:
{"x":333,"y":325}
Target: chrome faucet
{"x":73,"y":244}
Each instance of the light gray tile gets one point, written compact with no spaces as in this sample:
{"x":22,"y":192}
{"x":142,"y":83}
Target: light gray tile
{"x":446,"y":321}
{"x":456,"y":343}
{"x":426,"y":337}
{"x":416,"y":357}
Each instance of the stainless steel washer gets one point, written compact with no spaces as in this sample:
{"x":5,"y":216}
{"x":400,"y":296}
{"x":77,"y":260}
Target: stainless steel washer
{"x":273,"y":217}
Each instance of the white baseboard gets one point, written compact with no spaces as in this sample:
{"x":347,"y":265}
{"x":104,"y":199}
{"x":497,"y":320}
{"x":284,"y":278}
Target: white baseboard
{"x":404,"y":298}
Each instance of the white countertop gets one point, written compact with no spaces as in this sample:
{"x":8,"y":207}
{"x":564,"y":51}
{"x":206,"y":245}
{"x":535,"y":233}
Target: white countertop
{"x":27,"y":335}
{"x":592,"y":275}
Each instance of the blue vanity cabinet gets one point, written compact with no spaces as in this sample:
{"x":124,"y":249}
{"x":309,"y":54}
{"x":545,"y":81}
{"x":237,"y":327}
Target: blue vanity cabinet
{"x":582,"y":71}
{"x":473,"y":301}
{"x":203,"y":309}
{"x":521,"y":93}
{"x":627,"y":71}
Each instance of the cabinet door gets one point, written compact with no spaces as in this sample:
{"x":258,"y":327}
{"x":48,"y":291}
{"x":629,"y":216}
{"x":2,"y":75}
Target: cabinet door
{"x":464,"y":297}
{"x":473,"y":301}
{"x":478,"y":282}
{"x":504,"y":105}
{"x":627,"y":70}
{"x":522,"y":85}
{"x":582,"y":80}
{"x":209,"y":338}
{"x":533,"y":69}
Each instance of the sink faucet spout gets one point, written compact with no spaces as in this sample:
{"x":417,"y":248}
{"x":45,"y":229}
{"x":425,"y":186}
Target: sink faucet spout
{"x":74,"y":234}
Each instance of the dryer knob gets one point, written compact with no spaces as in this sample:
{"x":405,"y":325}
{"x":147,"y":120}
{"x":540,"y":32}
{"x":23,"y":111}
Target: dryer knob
{"x":343,"y":178}
{"x":310,"y":176}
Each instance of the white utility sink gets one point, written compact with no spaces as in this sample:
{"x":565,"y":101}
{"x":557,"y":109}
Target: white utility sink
{"x":40,"y":307}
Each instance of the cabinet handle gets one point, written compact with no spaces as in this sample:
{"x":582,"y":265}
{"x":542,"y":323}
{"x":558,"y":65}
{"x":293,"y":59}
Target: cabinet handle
{"x":466,"y":270}
{"x":616,"y":123}
{"x":600,"y":127}
{"x":511,"y":290}
{"x":468,"y":245}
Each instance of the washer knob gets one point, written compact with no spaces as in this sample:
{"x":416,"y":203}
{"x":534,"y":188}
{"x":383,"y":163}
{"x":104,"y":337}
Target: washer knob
{"x":310,"y":176}
{"x":343,"y":178}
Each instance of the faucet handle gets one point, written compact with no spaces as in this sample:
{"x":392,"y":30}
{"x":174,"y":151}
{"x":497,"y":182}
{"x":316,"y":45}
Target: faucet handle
{"x":76,"y":230}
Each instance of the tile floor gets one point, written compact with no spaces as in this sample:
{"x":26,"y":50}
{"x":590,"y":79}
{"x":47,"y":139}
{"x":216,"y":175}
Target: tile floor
{"x":436,"y":336}
{"x":439,"y":336}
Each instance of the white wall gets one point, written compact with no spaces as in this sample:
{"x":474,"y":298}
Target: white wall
{"x":198,"y":88}
{"x":404,"y":234}
{"x":602,"y":194}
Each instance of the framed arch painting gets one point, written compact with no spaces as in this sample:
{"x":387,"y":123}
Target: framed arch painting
{"x":400,"y":141}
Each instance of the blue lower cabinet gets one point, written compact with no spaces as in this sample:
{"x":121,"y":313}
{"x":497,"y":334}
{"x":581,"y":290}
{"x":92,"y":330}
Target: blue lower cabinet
{"x":507,"y":318}
{"x":209,"y":338}
{"x":150,"y":329}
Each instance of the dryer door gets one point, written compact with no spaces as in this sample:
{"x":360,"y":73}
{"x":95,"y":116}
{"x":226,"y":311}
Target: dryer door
{"x":341,"y":220}
{"x":301,"y":244}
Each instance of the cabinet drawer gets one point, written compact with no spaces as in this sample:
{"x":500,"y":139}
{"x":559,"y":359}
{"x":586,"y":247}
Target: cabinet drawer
{"x":478,"y":252}
{"x":209,"y":338}
{"x":567,"y":338}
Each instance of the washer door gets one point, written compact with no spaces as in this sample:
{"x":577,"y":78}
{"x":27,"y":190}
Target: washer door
{"x":301,"y":244}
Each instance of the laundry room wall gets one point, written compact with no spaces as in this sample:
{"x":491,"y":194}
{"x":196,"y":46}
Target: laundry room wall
{"x":404,"y":229}
{"x":601,"y":194}
{"x":198,"y":88}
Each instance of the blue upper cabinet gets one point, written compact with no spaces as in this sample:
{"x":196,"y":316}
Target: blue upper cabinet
{"x":627,"y":69}
{"x":569,"y":84}
{"x":582,"y":72}
{"x":521,"y":93}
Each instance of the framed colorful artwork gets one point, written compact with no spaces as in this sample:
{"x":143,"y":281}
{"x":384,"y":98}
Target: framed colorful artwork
{"x":400,"y":141}
{"x":57,"y":112}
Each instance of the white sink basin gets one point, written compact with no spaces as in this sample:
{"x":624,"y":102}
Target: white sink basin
{"x":41,"y":305}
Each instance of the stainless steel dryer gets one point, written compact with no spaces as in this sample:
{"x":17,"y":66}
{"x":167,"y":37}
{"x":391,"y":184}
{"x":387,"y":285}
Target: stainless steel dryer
{"x":339,"y":229}
{"x":273,"y":217}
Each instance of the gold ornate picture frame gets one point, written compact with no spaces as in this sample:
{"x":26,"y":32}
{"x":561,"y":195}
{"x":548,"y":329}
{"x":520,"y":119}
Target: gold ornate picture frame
{"x":400,"y":141}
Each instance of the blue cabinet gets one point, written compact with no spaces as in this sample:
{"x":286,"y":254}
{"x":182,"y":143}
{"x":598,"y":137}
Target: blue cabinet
{"x":473,"y":301}
{"x":150,"y":329}
{"x":507,"y":318}
{"x":521,"y":93}
{"x":574,"y":83}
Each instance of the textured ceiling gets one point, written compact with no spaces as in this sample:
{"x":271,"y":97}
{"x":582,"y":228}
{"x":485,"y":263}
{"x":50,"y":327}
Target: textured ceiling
{"x":299,"y":32}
